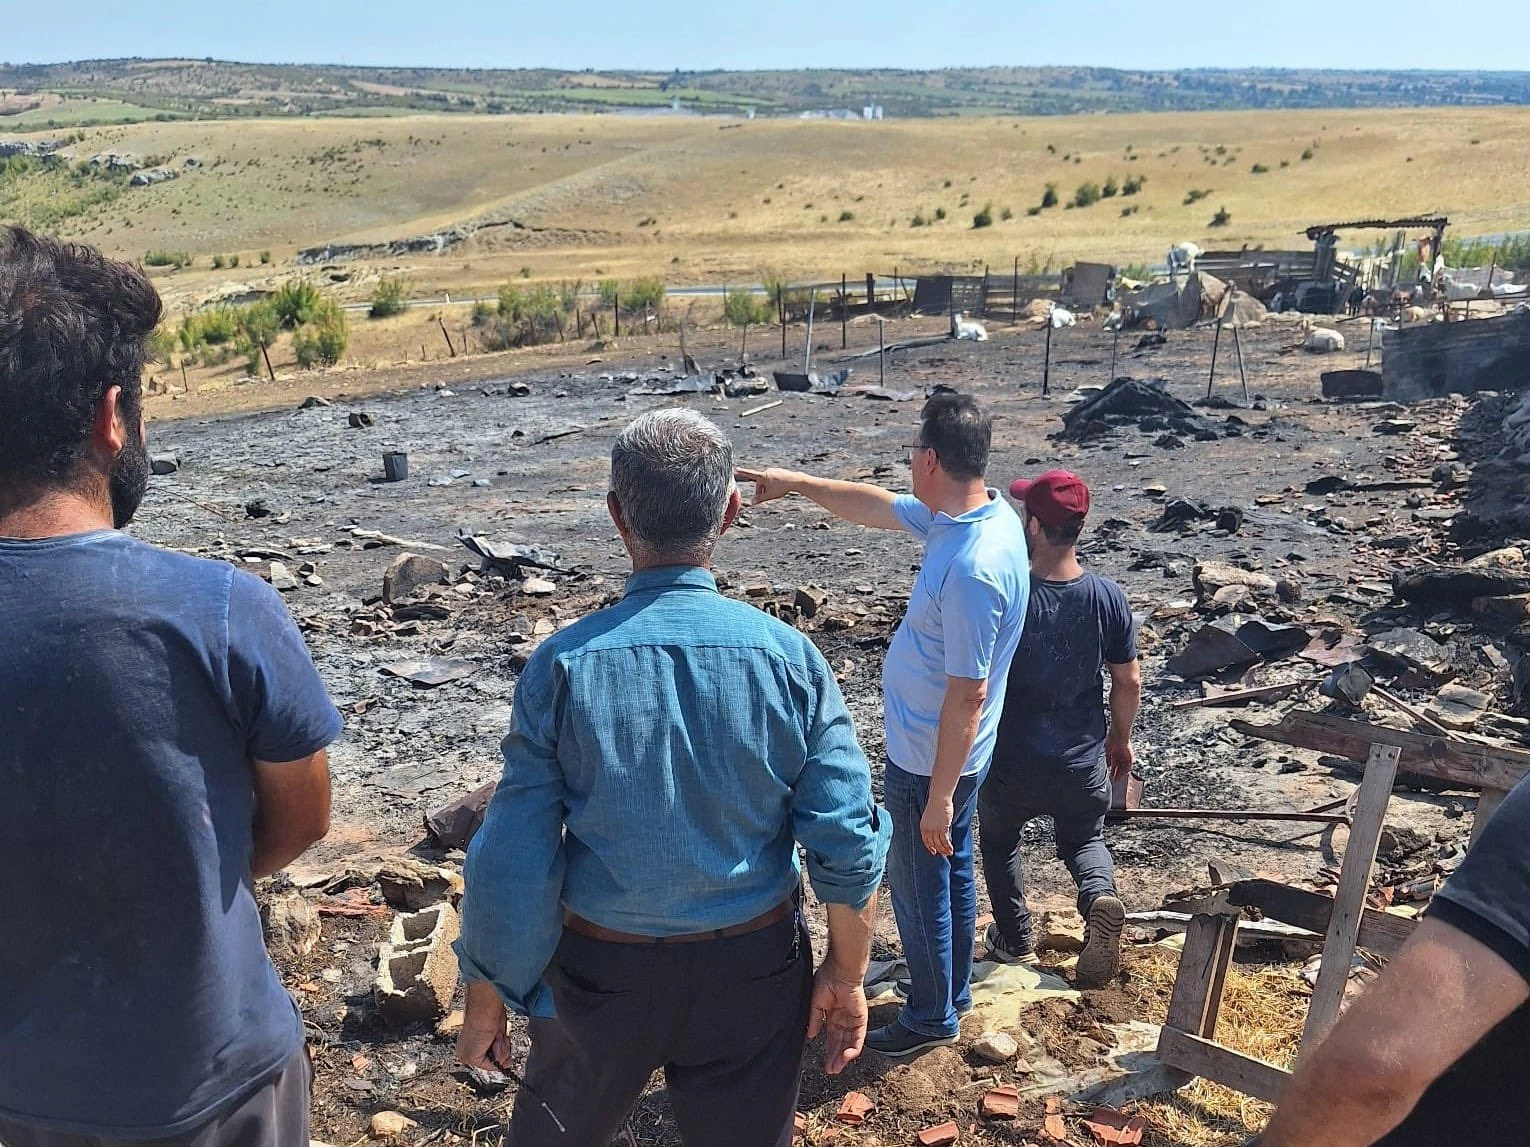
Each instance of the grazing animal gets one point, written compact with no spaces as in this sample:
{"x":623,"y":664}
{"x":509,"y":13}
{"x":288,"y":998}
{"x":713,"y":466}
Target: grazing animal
{"x":1182,"y":257}
{"x":964,"y":328}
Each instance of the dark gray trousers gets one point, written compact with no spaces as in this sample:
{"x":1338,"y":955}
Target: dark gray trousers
{"x":726,"y":1020}
{"x":1077,"y":801}
{"x":275,"y":1114}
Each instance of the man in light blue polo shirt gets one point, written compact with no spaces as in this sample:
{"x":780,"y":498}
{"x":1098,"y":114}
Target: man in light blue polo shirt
{"x":943,"y":691}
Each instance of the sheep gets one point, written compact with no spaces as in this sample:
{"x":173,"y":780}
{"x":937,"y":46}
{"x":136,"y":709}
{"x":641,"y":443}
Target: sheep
{"x":964,"y":328}
{"x":1321,"y":340}
{"x":1182,"y":257}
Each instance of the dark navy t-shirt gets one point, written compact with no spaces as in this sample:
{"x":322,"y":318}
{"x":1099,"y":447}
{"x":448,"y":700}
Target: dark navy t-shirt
{"x":136,"y":684}
{"x":1054,"y":709}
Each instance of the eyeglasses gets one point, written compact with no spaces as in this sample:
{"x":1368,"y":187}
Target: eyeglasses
{"x":909,"y":448}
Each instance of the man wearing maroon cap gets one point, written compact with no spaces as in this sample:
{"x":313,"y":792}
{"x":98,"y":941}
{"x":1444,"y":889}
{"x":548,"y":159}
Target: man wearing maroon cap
{"x":1053,"y":755}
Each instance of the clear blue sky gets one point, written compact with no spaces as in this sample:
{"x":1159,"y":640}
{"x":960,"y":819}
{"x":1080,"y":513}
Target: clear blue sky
{"x":701,"y":34}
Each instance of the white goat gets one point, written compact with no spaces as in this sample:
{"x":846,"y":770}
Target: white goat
{"x":964,"y":328}
{"x":1182,"y":257}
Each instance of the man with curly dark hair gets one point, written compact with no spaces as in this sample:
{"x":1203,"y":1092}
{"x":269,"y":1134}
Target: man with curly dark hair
{"x":162,"y":744}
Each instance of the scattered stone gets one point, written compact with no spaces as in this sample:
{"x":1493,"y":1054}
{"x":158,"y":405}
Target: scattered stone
{"x":1230,"y":519}
{"x":1395,"y":426}
{"x":389,"y":1125}
{"x":360,"y":420}
{"x":417,"y":968}
{"x":291,"y":926}
{"x":163,"y":464}
{"x":1411,"y":649}
{"x":451,"y":1025}
{"x":411,"y":885}
{"x":410,"y":573}
{"x":538,"y":587}
{"x":1060,"y":932}
{"x":1457,"y":707}
{"x":257,"y":508}
{"x":313,"y":401}
{"x":810,"y":599}
{"x":996,"y":1047}
{"x":1212,"y":576}
{"x":281,"y":578}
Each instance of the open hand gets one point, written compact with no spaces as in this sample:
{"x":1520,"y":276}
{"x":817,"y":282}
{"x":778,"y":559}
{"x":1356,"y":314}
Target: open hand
{"x":839,"y":1010}
{"x":935,"y":827}
{"x":769,"y":484}
{"x":1119,"y":756}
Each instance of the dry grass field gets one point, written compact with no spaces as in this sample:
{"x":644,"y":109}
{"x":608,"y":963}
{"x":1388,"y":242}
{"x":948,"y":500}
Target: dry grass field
{"x":707,"y":200}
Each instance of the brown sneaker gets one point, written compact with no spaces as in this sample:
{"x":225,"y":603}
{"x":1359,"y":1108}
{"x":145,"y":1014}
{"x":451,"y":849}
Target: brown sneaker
{"x":1100,"y":960}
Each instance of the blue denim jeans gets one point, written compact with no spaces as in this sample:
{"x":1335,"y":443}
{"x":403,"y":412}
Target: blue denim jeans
{"x":934,"y":901}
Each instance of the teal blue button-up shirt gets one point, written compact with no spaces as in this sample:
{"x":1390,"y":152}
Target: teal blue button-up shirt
{"x":665,"y":758}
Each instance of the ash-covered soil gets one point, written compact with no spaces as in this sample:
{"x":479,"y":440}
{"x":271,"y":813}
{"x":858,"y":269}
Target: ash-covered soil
{"x":486,"y":461}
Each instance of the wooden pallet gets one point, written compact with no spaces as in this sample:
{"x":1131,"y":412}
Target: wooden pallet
{"x":1187,"y":1044}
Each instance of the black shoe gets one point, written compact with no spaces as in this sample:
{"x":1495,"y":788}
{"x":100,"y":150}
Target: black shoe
{"x":1100,"y":960}
{"x":1000,"y":953}
{"x":896,"y":1041}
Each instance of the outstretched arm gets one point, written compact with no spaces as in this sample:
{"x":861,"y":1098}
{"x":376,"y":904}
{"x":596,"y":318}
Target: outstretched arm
{"x":858,"y":502}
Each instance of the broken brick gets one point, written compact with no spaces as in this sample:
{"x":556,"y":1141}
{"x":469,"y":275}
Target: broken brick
{"x":1002,"y":1103}
{"x":854,"y":1109}
{"x":799,"y":1125}
{"x":1053,"y":1126}
{"x":939,"y":1136}
{"x":1111,"y":1127}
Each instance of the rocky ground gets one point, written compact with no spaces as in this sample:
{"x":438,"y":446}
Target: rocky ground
{"x":1285,"y":510}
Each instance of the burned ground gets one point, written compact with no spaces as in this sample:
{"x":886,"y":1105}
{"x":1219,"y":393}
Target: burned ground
{"x":1325,"y":501}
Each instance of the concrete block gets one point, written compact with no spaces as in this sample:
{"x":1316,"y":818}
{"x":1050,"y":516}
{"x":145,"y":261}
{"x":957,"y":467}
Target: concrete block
{"x":416,"y":967}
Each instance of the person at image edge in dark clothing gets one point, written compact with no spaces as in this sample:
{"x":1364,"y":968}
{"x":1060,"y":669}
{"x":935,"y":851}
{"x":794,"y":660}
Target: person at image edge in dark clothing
{"x":162,"y":745}
{"x":1433,"y":1052}
{"x":1054,"y":756}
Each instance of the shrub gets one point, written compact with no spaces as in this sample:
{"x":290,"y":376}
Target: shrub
{"x":322,"y":341}
{"x":1307,"y":153}
{"x":743,"y":308}
{"x":1033,"y":210}
{"x":846,"y":216}
{"x":388,"y":297}
{"x":1049,"y":196}
{"x":259,"y":327}
{"x":218,"y":263}
{"x":1006,"y":215}
{"x":940,"y":213}
{"x":483,"y":311}
{"x":1086,"y":194}
{"x":1195,"y":195}
{"x":983,"y":218}
{"x":234,"y":262}
{"x":297,"y":303}
{"x":918,"y":220}
{"x":1221,"y":219}
{"x":176,"y":259}
{"x":1133,"y":184}
{"x":265,"y":258}
{"x":610,"y":290}
{"x":209,"y":328}
{"x":644,"y":294}
{"x":1111,"y":187}
{"x":1132,"y":210}
{"x":1259,"y":169}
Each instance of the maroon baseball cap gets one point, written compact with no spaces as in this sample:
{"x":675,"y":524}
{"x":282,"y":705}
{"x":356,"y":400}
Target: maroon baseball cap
{"x":1056,"y":497}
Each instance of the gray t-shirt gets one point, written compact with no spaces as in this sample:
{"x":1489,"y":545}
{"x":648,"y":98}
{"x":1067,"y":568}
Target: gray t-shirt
{"x":136,"y":685}
{"x":1054,"y":708}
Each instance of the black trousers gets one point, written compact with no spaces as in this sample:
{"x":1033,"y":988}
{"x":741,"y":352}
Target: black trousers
{"x":274,"y":1114}
{"x":725,"y":1019}
{"x":1077,"y":801}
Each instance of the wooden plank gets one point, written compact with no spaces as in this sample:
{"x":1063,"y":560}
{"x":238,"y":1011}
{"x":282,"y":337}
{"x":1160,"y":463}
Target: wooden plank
{"x":1349,"y":900}
{"x":1203,"y":964}
{"x":1222,"y":1065}
{"x":1487,"y":805}
{"x":1438,"y":758}
{"x":1380,"y":932}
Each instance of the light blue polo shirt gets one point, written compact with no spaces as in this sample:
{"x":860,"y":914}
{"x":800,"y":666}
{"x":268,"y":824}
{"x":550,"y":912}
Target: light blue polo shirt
{"x":964,"y":619}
